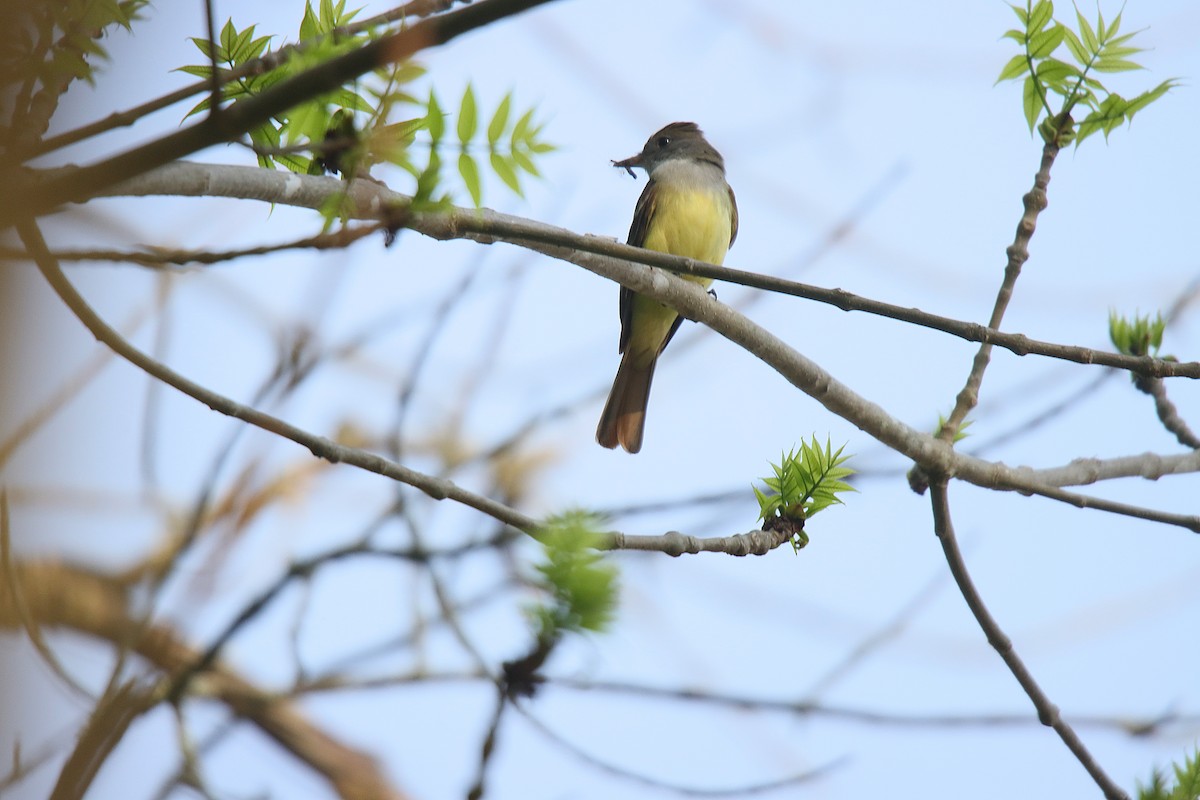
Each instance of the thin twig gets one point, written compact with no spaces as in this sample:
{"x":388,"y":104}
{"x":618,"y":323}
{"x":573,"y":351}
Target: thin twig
{"x":108,"y":724}
{"x":81,"y":600}
{"x":370,"y":200}
{"x":488,"y":747}
{"x":1048,"y":713}
{"x":1018,"y":253}
{"x":214,"y":78}
{"x":692,"y":791}
{"x":300,"y":569}
{"x":159,"y":257}
{"x":1167,"y":413}
{"x":901,"y":618}
{"x":865,"y":716}
{"x":691,"y":301}
{"x":672,"y":543}
{"x":29,"y":622}
{"x":318,"y":445}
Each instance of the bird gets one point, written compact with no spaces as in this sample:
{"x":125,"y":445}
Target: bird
{"x":687,"y":209}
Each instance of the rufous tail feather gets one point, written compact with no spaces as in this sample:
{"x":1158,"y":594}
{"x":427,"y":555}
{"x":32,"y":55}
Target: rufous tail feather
{"x":624,"y":417}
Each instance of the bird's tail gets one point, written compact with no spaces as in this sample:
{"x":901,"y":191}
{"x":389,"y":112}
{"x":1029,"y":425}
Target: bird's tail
{"x":624,"y":417}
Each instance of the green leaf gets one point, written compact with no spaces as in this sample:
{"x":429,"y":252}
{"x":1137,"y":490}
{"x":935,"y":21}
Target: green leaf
{"x":197,"y":70}
{"x":203,"y":45}
{"x":347,"y":98}
{"x":1032,"y":103}
{"x":238,"y":53}
{"x":199,"y":107}
{"x":522,"y":160}
{"x":265,"y":137}
{"x":1075,"y":46}
{"x":504,"y":169}
{"x":1041,"y":14}
{"x":309,"y":26}
{"x":1089,"y":35}
{"x":469,"y":171}
{"x":1046,"y":42}
{"x":805,"y":482}
{"x":520,"y":131}
{"x":1118,"y":43}
{"x":1016,"y":66}
{"x":1137,"y":337}
{"x":436,"y":119}
{"x":499,"y":121}
{"x":307,"y":122}
{"x":1021,"y":14}
{"x":582,"y":586}
{"x":429,"y":180}
{"x":468,"y":122}
{"x":1144,"y":99}
{"x":1054,"y":71}
{"x":1116,"y":25}
{"x":228,"y":39}
{"x":257,"y":47}
{"x":1114,"y":65}
{"x":408,"y":72}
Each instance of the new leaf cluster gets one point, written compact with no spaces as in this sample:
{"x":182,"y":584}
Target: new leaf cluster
{"x":805,"y":482}
{"x":45,"y":47}
{"x":54,"y":48}
{"x":580,"y":584}
{"x":356,"y":127}
{"x":1186,"y":785}
{"x":510,"y":149}
{"x":1141,"y":336}
{"x":1098,"y":48}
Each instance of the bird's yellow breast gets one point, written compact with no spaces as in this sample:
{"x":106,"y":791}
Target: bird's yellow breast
{"x":690,"y":221}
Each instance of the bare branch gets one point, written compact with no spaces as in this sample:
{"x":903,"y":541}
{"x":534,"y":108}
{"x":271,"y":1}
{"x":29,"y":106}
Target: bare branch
{"x":1018,"y":253}
{"x":372,"y":201}
{"x":80,"y":600}
{"x":109,"y":721}
{"x":1168,"y":414}
{"x":866,"y":716}
{"x":321,"y":447}
{"x":159,"y":257}
{"x":1048,"y":713}
{"x":692,"y":791}
{"x":932,"y":455}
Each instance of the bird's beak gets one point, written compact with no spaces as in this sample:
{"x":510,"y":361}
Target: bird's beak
{"x":629,"y":163}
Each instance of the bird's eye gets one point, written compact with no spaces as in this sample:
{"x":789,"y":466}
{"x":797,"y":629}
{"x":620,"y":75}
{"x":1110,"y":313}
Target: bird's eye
{"x":663,"y":141}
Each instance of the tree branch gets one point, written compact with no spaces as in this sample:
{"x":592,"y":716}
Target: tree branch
{"x":1167,"y":413}
{"x":865,"y":716}
{"x":756,"y":543}
{"x":373,"y":201}
{"x":370,"y":201}
{"x":1018,"y":253}
{"x":1048,"y":713}
{"x":162,"y":257}
{"x":80,"y":600}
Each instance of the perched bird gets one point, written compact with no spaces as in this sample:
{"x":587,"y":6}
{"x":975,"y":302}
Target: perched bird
{"x":687,"y":209}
